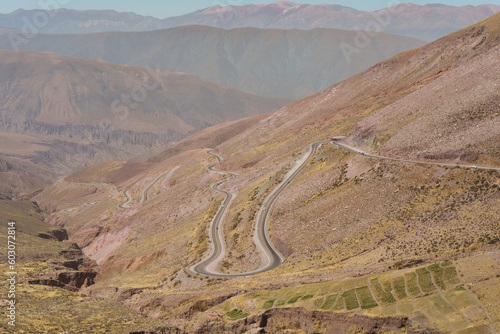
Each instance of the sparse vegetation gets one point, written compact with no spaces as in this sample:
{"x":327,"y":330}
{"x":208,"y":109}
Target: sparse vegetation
{"x":371,"y":233}
{"x":450,"y":276}
{"x":437,"y":274}
{"x":425,"y":280}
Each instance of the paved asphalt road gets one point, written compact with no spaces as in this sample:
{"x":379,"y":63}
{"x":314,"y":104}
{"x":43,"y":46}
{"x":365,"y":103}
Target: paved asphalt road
{"x":360,"y":152}
{"x":261,"y":227}
{"x":127,"y":199}
{"x":274,"y":259}
{"x":144,"y":196}
{"x":215,"y":232}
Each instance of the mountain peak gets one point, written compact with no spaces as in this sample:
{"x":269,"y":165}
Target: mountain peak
{"x":285,"y":3}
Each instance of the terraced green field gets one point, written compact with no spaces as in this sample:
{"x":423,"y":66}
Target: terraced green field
{"x":329,"y":301}
{"x":425,"y":280}
{"x":236,"y":314}
{"x":381,"y":295}
{"x":400,"y":287}
{"x":351,"y":300}
{"x":412,"y":284}
{"x":365,"y":298}
{"x":434,"y":290}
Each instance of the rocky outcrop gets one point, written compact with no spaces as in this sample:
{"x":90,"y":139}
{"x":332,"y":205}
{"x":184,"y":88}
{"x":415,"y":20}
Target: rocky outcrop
{"x":81,"y":274}
{"x":281,"y":319}
{"x":74,"y":272}
{"x":284,"y":320}
{"x":72,"y":281}
{"x":203,"y":305}
{"x":91,"y":132}
{"x":271,"y":321}
{"x":58,"y":234}
{"x":5,"y":166}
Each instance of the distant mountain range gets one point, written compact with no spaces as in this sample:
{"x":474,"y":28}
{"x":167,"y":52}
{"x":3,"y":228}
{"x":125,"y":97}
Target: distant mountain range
{"x":268,"y":62}
{"x":69,"y":21}
{"x":427,"y":22}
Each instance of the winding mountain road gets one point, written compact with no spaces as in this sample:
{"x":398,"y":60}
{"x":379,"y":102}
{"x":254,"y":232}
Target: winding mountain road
{"x":215,"y":231}
{"x":144,"y":194}
{"x":127,"y":199}
{"x":273,"y":259}
{"x":207,"y":266}
{"x":363,"y":153}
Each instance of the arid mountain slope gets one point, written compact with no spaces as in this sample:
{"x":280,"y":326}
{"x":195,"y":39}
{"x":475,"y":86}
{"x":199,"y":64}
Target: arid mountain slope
{"x":355,"y":231}
{"x":210,"y":137}
{"x":267,"y":62}
{"x":117,"y":172}
{"x":50,"y":271}
{"x":44,"y":92}
{"x":19,"y":175}
{"x":98,"y":111}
